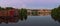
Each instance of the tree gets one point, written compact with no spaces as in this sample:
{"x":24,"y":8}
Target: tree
{"x":23,"y":13}
{"x":34,"y":13}
{"x":7,"y":8}
{"x":55,"y":13}
{"x":1,"y":8}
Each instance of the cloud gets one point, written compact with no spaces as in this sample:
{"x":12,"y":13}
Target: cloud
{"x":23,"y":3}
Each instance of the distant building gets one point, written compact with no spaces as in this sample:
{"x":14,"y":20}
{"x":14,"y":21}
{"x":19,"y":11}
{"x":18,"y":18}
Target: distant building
{"x":39,"y":11}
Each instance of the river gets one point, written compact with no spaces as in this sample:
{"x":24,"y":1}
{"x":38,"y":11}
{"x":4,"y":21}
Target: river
{"x":34,"y":21}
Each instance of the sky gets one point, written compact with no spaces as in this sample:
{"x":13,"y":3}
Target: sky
{"x":32,"y":4}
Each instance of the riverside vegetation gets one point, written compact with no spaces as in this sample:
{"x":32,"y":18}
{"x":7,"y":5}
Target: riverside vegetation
{"x":55,"y":13}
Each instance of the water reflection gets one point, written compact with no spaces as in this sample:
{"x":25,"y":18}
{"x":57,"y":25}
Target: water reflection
{"x":23,"y":18}
{"x":56,"y":18}
{"x":43,"y":14}
{"x":11,"y":19}
{"x":16,"y":19}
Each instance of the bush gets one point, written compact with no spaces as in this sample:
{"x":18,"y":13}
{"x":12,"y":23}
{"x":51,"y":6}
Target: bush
{"x":56,"y":12}
{"x":23,"y":14}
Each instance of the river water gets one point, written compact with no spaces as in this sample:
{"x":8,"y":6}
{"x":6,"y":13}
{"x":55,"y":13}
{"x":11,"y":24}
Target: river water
{"x":34,"y":21}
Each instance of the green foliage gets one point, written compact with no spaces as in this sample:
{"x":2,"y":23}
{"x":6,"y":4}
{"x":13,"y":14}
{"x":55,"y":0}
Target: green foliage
{"x":23,"y":14}
{"x":56,"y":12}
{"x":1,"y":8}
{"x":34,"y":13}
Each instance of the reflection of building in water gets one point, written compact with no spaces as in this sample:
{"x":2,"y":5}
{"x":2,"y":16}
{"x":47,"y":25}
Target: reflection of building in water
{"x":9,"y":19}
{"x":39,"y":12}
{"x":12,"y":19}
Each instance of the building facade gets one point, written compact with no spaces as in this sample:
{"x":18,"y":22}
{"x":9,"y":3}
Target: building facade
{"x":38,"y":12}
